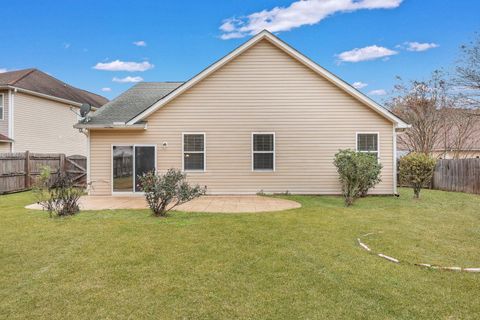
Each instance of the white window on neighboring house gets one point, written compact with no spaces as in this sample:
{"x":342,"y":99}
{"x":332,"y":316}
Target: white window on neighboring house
{"x":194,"y":156}
{"x":263,"y":151}
{"x":368,"y":143}
{"x":2,"y":106}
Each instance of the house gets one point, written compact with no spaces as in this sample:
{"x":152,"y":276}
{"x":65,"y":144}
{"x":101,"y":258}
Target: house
{"x":37,"y":112}
{"x":263,"y":118}
{"x":458,"y":137}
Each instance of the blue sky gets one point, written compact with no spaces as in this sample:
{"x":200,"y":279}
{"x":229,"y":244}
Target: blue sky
{"x":364,"y":41}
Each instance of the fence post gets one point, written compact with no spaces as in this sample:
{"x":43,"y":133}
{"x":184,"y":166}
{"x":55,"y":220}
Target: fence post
{"x":61,"y":169}
{"x":27,"y":169}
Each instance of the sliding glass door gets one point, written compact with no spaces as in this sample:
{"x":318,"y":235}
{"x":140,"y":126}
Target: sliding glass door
{"x":130,"y":162}
{"x":144,"y":162}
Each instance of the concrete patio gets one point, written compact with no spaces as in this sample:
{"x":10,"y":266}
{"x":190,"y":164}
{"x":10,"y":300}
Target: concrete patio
{"x":221,"y":204}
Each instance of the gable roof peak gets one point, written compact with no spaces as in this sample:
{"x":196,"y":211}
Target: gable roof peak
{"x":265,"y":34}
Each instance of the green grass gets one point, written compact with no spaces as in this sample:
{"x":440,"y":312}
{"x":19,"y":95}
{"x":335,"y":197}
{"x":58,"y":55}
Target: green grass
{"x":297,"y":264}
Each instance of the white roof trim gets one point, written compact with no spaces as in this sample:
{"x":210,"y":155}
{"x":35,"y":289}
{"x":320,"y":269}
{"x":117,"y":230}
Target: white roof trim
{"x":293,"y":53}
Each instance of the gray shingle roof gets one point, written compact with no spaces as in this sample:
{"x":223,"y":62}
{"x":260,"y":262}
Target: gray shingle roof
{"x":132,"y":102}
{"x":38,"y":81}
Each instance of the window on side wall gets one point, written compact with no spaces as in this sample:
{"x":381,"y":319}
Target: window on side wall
{"x":368,"y":143}
{"x":194,"y":152}
{"x":263,"y":149}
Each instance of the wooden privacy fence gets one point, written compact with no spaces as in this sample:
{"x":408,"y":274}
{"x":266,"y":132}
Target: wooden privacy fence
{"x":462,"y":175}
{"x":18,"y":171}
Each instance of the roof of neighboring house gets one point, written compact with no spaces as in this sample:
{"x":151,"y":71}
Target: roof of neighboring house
{"x":132,"y":102}
{"x":447,"y":135}
{"x":139,"y":112}
{"x":40,"y":82}
{"x":4,"y":138}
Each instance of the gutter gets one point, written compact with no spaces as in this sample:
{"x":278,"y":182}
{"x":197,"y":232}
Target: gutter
{"x":42,"y":95}
{"x":121,"y":125}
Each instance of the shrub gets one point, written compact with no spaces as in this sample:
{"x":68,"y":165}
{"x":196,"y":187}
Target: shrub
{"x":165,"y":192}
{"x":416,"y":170}
{"x":358,"y":172}
{"x":57,"y":195}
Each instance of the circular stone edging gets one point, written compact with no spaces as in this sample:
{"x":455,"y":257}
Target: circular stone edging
{"x":423,"y":265}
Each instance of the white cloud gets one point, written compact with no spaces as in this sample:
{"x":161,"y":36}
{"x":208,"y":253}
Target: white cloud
{"x":359,"y":85}
{"x":366,"y":53}
{"x":106,"y":89}
{"x":3,"y":70}
{"x":66,"y":45}
{"x":378,"y":92}
{"x":417,"y":46}
{"x":232,"y":35}
{"x":127,"y":79}
{"x":140,"y":43}
{"x":118,"y":65}
{"x":299,"y":13}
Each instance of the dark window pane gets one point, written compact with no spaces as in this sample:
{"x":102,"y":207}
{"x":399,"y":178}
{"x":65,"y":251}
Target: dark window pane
{"x":123,"y":168}
{"x":263,"y":142}
{"x":367,"y":142}
{"x":263,"y":161}
{"x":144,"y":162}
{"x":193,"y":161}
{"x":193,"y":142}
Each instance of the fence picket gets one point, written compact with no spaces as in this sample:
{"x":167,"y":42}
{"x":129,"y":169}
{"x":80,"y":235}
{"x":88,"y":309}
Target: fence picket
{"x":18,"y":171}
{"x":461,"y":175}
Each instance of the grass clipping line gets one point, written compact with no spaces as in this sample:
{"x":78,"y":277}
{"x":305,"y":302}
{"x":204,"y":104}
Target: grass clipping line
{"x":423,"y":265}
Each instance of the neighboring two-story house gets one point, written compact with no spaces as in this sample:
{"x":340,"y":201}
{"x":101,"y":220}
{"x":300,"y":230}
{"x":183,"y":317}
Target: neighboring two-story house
{"x":37,"y":112}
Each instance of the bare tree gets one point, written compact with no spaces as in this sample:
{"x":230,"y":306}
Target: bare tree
{"x":461,"y":132}
{"x":468,"y":72}
{"x":443,"y":113}
{"x":419,"y":104}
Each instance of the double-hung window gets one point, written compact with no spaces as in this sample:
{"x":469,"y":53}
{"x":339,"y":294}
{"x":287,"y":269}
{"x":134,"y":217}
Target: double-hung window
{"x":368,"y":143}
{"x":2,"y":106}
{"x":194,"y":152}
{"x":263,"y":151}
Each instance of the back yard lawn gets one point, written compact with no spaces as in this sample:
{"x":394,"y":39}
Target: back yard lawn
{"x":302,"y":263}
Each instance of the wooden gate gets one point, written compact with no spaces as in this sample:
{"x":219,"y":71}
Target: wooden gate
{"x":76,"y":168}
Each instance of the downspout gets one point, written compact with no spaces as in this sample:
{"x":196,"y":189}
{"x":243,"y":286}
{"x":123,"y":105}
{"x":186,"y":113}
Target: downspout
{"x":11,"y":96}
{"x":88,"y":161}
{"x":395,"y":183}
{"x":86,"y":132}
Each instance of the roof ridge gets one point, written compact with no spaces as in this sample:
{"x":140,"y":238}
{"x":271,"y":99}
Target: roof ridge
{"x":23,"y":76}
{"x":67,"y":85}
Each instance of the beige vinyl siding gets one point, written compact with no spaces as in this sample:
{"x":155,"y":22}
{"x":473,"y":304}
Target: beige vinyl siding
{"x":262,"y":90}
{"x":4,"y":121}
{"x":46,"y":126}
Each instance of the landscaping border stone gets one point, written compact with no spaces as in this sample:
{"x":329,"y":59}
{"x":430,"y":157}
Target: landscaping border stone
{"x":423,"y":265}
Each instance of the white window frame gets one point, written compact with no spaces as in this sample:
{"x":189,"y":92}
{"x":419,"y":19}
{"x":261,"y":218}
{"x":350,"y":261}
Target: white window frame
{"x":274,"y":152}
{"x":133,"y":164}
{"x":2,"y":106}
{"x":378,"y":143}
{"x":204,"y":151}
